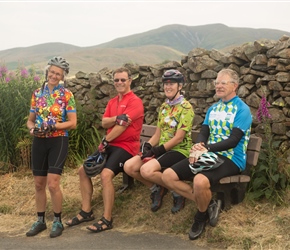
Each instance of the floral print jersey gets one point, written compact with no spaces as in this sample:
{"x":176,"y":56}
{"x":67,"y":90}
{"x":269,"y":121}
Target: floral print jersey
{"x":51,"y":108}
{"x":172,"y":118}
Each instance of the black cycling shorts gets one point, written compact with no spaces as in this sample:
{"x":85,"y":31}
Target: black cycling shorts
{"x":49,"y":155}
{"x":169,"y":158}
{"x":228,"y":168}
{"x":116,"y":158}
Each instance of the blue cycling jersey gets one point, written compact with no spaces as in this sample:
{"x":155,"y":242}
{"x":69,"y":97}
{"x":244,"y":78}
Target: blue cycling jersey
{"x":221,"y":118}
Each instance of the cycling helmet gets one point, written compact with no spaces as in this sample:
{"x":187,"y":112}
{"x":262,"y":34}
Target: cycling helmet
{"x":172,"y":75}
{"x":95,"y":163}
{"x":60,"y":62}
{"x":206,"y":161}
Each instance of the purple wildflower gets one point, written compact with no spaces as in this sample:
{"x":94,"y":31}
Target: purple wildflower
{"x":3,"y":70}
{"x":24,"y":73}
{"x":263,"y":112}
{"x":36,"y":78}
{"x":7,"y":79}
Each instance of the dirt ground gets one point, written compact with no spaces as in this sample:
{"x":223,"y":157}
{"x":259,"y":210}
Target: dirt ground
{"x":248,"y":225}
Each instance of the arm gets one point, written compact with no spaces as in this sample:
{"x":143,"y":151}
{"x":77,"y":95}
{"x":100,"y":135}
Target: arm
{"x":231,"y":142}
{"x":108,"y":122}
{"x":31,"y":122}
{"x":115,"y":132}
{"x":178,"y":138}
{"x":71,"y":122}
{"x":154,"y":140}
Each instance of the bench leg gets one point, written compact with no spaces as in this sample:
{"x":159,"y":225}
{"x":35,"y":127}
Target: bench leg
{"x":128,"y":182}
{"x":230,"y":193}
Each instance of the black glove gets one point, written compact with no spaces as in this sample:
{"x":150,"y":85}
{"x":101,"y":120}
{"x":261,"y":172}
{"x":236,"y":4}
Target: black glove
{"x":153,"y":153}
{"x":44,"y":129}
{"x":38,"y":132}
{"x":145,"y":147}
{"x":104,"y":144}
{"x":48,"y":128}
{"x":122,"y":120}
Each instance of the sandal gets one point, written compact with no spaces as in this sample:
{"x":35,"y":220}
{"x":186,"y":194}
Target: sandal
{"x":99,"y":225}
{"x":85,"y":217}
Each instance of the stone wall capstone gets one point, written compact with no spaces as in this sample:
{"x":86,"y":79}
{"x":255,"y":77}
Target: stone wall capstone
{"x":263,"y":67}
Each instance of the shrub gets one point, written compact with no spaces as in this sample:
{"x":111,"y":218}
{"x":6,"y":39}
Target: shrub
{"x":270,"y":178}
{"x":15,"y":142}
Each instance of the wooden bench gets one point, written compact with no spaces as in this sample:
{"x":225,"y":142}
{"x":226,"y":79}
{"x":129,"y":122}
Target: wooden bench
{"x":230,"y":190}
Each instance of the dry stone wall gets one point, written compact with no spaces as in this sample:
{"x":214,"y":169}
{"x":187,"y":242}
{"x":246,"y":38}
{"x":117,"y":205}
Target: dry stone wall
{"x":263,"y":67}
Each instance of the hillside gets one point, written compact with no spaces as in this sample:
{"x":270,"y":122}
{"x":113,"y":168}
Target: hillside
{"x":155,"y":46}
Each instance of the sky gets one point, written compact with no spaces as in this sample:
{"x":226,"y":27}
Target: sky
{"x":90,"y":23}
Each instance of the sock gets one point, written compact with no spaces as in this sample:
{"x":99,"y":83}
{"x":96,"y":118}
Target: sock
{"x":201,"y":216}
{"x":57,"y":217}
{"x":154,"y":188}
{"x":40,"y":216}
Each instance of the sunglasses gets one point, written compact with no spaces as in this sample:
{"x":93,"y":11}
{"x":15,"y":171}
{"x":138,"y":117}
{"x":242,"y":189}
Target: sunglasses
{"x":122,"y":80}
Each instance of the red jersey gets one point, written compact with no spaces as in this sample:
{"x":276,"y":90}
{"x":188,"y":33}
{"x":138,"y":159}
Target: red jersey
{"x":131,"y":105}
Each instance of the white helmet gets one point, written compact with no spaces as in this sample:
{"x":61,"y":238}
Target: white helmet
{"x":60,"y":62}
{"x":206,"y":161}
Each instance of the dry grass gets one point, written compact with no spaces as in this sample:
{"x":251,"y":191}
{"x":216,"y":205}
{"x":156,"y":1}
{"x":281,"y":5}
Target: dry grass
{"x":245,"y":226}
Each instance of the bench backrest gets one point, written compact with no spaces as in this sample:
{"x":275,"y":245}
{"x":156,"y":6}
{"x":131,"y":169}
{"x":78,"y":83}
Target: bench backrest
{"x":253,"y":149}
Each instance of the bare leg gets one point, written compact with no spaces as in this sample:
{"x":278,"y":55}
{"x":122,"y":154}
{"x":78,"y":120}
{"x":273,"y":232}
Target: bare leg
{"x":40,"y":192}
{"x":107,"y":176}
{"x":132,"y":168}
{"x":151,"y":171}
{"x":171,"y":180}
{"x":86,"y":187}
{"x":202,"y":192}
{"x":53,"y":182}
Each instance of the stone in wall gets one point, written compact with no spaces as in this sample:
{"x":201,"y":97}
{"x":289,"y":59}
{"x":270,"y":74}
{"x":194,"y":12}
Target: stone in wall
{"x":263,"y":67}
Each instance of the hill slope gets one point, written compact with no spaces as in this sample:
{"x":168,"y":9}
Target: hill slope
{"x":151,"y":47}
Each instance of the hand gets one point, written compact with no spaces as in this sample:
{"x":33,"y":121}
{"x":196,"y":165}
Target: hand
{"x":154,"y":152}
{"x":48,"y":128}
{"x":104,"y":145}
{"x":38,"y":132}
{"x":145,"y":147}
{"x":196,"y":151}
{"x":44,"y":130}
{"x":123,"y":120}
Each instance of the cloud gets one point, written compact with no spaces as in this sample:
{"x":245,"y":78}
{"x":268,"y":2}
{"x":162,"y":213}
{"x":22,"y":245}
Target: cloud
{"x":89,"y":23}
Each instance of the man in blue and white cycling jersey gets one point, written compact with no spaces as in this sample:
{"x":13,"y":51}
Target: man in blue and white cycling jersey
{"x":225,"y":132}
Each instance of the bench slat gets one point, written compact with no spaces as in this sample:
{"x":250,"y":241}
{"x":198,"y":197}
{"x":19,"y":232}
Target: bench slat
{"x":235,"y":178}
{"x":148,"y":130}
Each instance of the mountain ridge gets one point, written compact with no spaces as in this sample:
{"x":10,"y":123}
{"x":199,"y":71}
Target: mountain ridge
{"x":166,"y":43}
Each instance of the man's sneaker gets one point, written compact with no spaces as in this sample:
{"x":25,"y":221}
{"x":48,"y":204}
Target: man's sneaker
{"x":213,"y":211}
{"x":157,"y":197}
{"x":178,"y":203}
{"x":198,"y":226}
{"x":56,"y":230}
{"x":36,"y":228}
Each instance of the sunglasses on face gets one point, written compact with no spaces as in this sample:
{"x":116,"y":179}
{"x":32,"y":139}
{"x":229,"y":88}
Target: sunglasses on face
{"x":122,"y":80}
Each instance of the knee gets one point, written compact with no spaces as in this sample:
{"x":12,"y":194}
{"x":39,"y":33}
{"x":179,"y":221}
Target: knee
{"x":39,"y":186}
{"x":128,"y":167}
{"x":145,"y":171}
{"x":53,"y":187}
{"x":107,"y":176}
{"x":133,"y":165}
{"x":168,"y":177}
{"x":200,"y":182}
